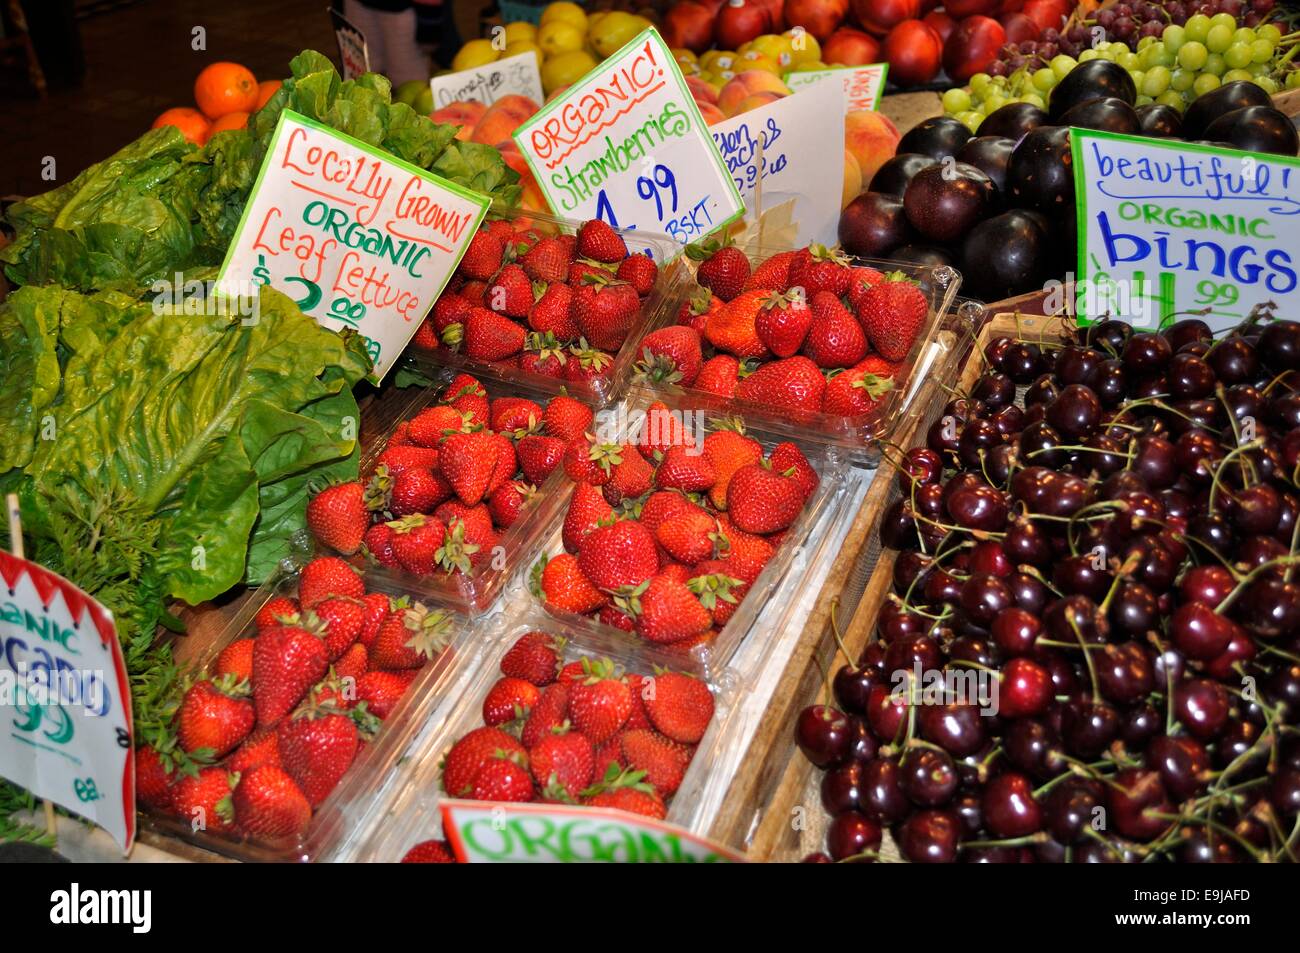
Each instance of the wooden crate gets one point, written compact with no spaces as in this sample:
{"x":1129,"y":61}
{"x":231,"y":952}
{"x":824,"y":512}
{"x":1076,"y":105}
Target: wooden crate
{"x":773,"y":807}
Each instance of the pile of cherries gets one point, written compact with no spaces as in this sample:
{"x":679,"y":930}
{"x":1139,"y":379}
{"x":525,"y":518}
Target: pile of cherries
{"x":1108,"y":528}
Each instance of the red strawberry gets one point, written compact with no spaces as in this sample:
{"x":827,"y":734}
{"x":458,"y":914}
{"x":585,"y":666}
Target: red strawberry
{"x":694,"y":312}
{"x":274,"y":612}
{"x":409,"y":637}
{"x":354,"y":662}
{"x":822,"y":269}
{"x":661,"y":429}
{"x":792,"y":383}
{"x":782,"y":323}
{"x":638,"y":798}
{"x":605,"y":313}
{"x":671,"y":356}
{"x":325,"y":577}
{"x":663,"y":761}
{"x":548,"y":260}
{"x":733,"y":327}
{"x":599,"y":703}
{"x":261,"y":747}
{"x":639,"y":271}
{"x":468,"y":461}
{"x":469,"y":542}
{"x":663,"y":505}
{"x":586,"y":364}
{"x":689,"y":538}
{"x":203,"y":800}
{"x":680,"y":572}
{"x":686,"y":469}
{"x":861,"y":280}
{"x":835,"y":339}
{"x":534,"y":657}
{"x":728,"y":451}
{"x":317,"y":746}
{"x":719,"y":375}
{"x":417,"y":491}
{"x":416,"y":541}
{"x":483,"y":256}
{"x":508,"y":502}
{"x":620,"y":555}
{"x":287,"y":661}
{"x":723,"y":272}
{"x":892,"y":313}
{"x":588,"y":461}
{"x":429,"y":852}
{"x":566,"y":418}
{"x":551,"y":711}
{"x":599,"y":242}
{"x":587,"y":508}
{"x":154,"y":779}
{"x":787,"y":456}
{"x":509,"y":699}
{"x":639,"y":686}
{"x":343,"y":619}
{"x":630,"y":478}
{"x":667,"y":611}
{"x":503,"y":779}
{"x":337,"y":517}
{"x":680,"y":707}
{"x":427,"y":429}
{"x":559,"y":583}
{"x":381,"y":691}
{"x":450,"y":309}
{"x":470,"y":754}
{"x":853,"y":392}
{"x":539,"y":456}
{"x":473,"y":292}
{"x":267,"y":803}
{"x":612,"y":616}
{"x":746,"y":553}
{"x":552,"y":314}
{"x":609,"y":754}
{"x":515,"y":415}
{"x":490,"y":336}
{"x":236,"y":660}
{"x":511,"y":294}
{"x":761,"y":500}
{"x":378,"y":606}
{"x":585,"y":269}
{"x":544,"y":355}
{"x":772,"y":274}
{"x":562,"y":764}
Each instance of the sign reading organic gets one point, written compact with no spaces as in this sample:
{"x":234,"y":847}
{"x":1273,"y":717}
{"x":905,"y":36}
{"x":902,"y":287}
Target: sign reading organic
{"x":1169,"y":229}
{"x":490,"y":832}
{"x":517,"y":75}
{"x":352,"y":46}
{"x":790,"y":150}
{"x":357,"y":238}
{"x":627,"y":144}
{"x":863,"y":85}
{"x":65,"y":703}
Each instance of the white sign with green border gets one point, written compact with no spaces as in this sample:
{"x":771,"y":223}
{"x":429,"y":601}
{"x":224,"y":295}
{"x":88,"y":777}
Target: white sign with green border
{"x":358,"y":238}
{"x":627,"y":144}
{"x":1177,"y":229}
{"x":863,"y":85}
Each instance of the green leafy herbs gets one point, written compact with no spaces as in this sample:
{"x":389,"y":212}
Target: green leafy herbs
{"x":161,"y":206}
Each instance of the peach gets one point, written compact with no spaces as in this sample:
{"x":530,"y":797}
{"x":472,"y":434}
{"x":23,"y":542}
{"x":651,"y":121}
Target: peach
{"x":465,"y":113}
{"x":531,"y":198}
{"x":754,"y":100}
{"x":872,"y":139}
{"x":746,"y":84}
{"x":711,"y":114}
{"x":502,"y":118}
{"x":701,"y":90}
{"x":852,"y":179}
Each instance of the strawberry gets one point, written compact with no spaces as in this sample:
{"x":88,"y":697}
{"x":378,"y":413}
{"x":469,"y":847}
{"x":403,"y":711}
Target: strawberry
{"x":680,"y":572}
{"x":671,"y":356}
{"x":328,"y":576}
{"x":559,"y":583}
{"x":585,"y":364}
{"x":427,"y":429}
{"x":508,"y":501}
{"x":566,"y":418}
{"x":728,"y":450}
{"x":639,"y":271}
{"x":509,"y":699}
{"x":470,"y":754}
{"x":343,"y":619}
{"x":661,"y":429}
{"x":450,"y":309}
{"x":666,"y":611}
{"x":835,"y":339}
{"x":429,"y":852}
{"x":411,"y":636}
{"x":511,"y":294}
{"x":381,"y":691}
{"x":552,"y":314}
{"x":680,"y":707}
{"x":772,"y":274}
{"x":761,"y":500}
{"x":354,"y":662}
{"x":787,"y":456}
{"x":585,"y":269}
{"x":719,"y":375}
{"x":515,"y":415}
{"x":416,"y":541}
{"x":599,"y":703}
{"x":261,"y":747}
{"x":543,"y":355}
{"x":633,"y":800}
{"x":562,"y":764}
{"x":483,"y":256}
{"x":861,"y":280}
{"x":875,"y":364}
{"x":550,"y":712}
{"x":619,"y":555}
{"x":605,"y":312}
{"x":588,"y":461}
{"x":203,"y":800}
{"x":473,"y":292}
{"x":468,"y":461}
{"x":630,"y":478}
{"x":892,"y":313}
{"x":506,"y":465}
{"x":274,"y":612}
{"x":609,"y":754}
{"x":694,"y":312}
{"x":491,"y":337}
{"x":417,"y":491}
{"x":723,"y":271}
{"x":663,"y":761}
{"x":378,"y":606}
{"x":287,"y":661}
{"x":663,"y":505}
{"x":503,"y":779}
{"x":548,"y":260}
{"x":317,"y":746}
{"x":685,"y":469}
{"x":236,"y":661}
{"x":587,"y":508}
{"x":854,"y":392}
{"x":267,"y":803}
{"x":746,"y":553}
{"x":426,"y":336}
{"x":154,"y":779}
{"x":337,"y":517}
{"x":640,"y":687}
{"x":534,"y":657}
{"x":474,"y":408}
{"x":538,"y":456}
{"x":469,"y":542}
{"x":613,"y":616}
{"x":782,"y":323}
{"x":733,"y":327}
{"x":792,"y":383}
{"x":599,"y":242}
{"x":689,"y":538}
{"x":378,"y":545}
{"x":822,"y":269}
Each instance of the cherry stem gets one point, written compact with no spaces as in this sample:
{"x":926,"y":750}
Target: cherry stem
{"x":863,"y":855}
{"x":1236,"y":451}
{"x":1251,"y":576}
{"x":835,"y":631}
{"x":1024,"y":841}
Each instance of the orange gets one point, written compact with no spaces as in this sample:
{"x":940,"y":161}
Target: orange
{"x":225,"y":88}
{"x":192,"y":123}
{"x":230,"y":121}
{"x":265,"y":90}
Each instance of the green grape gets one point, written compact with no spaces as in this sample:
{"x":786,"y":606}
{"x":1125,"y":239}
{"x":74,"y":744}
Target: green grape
{"x":1155,"y":82}
{"x":1171,"y":98}
{"x":1173,"y":37}
{"x":1088,"y":55}
{"x":1235,"y":75}
{"x":1143,"y":100}
{"x":993,"y":102}
{"x":1245,"y":35}
{"x":1193,"y":55}
{"x":1261,"y":51}
{"x":970,"y":119}
{"x":1155,"y":56}
{"x":1034,"y":100}
{"x":1214,"y":64}
{"x":1130,"y":61}
{"x":979,"y":83}
{"x":1293,"y":79}
{"x":1219,"y":38}
{"x":1237,"y":56}
{"x":1259,"y":69}
{"x":1223,"y":19}
{"x":1205,"y":83}
{"x":1269,"y":32}
{"x":1197,"y":27}
{"x":1062,"y":64}
{"x":1145,"y":41}
{"x":1044,"y":80}
{"x":1182,"y":79}
{"x":956,"y":101}
{"x":1138,"y":77}
{"x":999,"y":81}
{"x":1267,"y":83}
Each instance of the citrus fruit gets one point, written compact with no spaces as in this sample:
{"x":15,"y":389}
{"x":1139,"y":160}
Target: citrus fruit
{"x":407,"y":92}
{"x":778,"y":48}
{"x":566,"y":68}
{"x":756,"y":60}
{"x":423,"y":102}
{"x":474,"y":53}
{"x":614,"y":31}
{"x":229,"y":121}
{"x":193,"y":125}
{"x":225,"y":88}
{"x":804,"y":47}
{"x":524,"y":46}
{"x":559,"y":36}
{"x":521,"y":31}
{"x":685,"y":56}
{"x":266,"y":89}
{"x":565,"y":12}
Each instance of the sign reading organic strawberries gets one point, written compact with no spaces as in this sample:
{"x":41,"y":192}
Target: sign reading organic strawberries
{"x":862,"y":84}
{"x":358,"y":238}
{"x":627,"y":144}
{"x":492,"y":832}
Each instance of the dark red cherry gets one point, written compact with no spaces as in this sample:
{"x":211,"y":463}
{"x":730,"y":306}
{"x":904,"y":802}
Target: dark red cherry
{"x":1073,"y":618}
{"x":995,"y":389}
{"x":929,"y":777}
{"x":1009,"y":806}
{"x":1154,"y":461}
{"x":1025,"y":689}
{"x":822,"y":734}
{"x":1284,"y":793}
{"x":983,"y":596}
{"x":1183,"y":763}
{"x":1279,"y":344}
{"x":913,"y":653}
{"x":978,"y":438}
{"x":1123,"y":672}
{"x":1015,"y":631}
{"x":886,"y":711}
{"x":1085,"y":575}
{"x":1021,"y":362}
{"x":852,"y":686}
{"x":1209,"y":585}
{"x":1146,"y":353}
{"x":1141,"y":724}
{"x":989,"y":557}
{"x":959,"y":729}
{"x":1038,"y":445}
{"x":1109,"y":383}
{"x":1133,"y":608}
{"x":1075,"y":412}
{"x":1234,"y":360}
{"x":841,"y":788}
{"x":1030,"y":594}
{"x":1108,"y":335}
{"x":1270,"y":608}
{"x":1199,"y":632}
{"x":930,"y":837}
{"x":852,"y":834}
{"x":1202,"y":706}
{"x":1205,"y":847}
{"x":1088,"y":728}
{"x":1241,"y":648}
{"x":1187,"y":331}
{"x":1240,"y":739}
{"x":979,"y":507}
{"x":1072,"y":809}
{"x":1136,"y":799}
{"x":1075,"y":364}
{"x":1257,"y":509}
{"x":882,"y":794}
{"x":920,"y":464}
{"x":1189,"y":376}
{"x":1026,"y":542}
{"x":1031,"y":746}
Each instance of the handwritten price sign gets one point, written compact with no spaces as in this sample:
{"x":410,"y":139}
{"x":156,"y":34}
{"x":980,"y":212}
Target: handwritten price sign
{"x":627,"y":145}
{"x":353,"y":52}
{"x":489,"y":832}
{"x":862,"y":85}
{"x":1169,"y":228}
{"x":65,"y":703}
{"x":358,"y":238}
{"x":516,"y":75}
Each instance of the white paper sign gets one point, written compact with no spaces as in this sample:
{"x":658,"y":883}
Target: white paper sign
{"x":65,"y":717}
{"x":516,"y":75}
{"x":1172,"y":228}
{"x":353,"y":52}
{"x":791,"y":149}
{"x":626,"y":144}
{"x":358,"y":238}
{"x":863,"y":85}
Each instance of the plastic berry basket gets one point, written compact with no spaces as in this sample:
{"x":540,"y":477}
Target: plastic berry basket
{"x":410,"y":814}
{"x":333,"y":819}
{"x":934,"y":355}
{"x":830,"y":463}
{"x":599,"y":392}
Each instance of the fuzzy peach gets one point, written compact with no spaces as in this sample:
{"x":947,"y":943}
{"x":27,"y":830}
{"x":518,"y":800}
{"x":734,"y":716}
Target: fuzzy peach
{"x":463,"y":113}
{"x":747,"y":84}
{"x":502,"y":118}
{"x":872,"y":139}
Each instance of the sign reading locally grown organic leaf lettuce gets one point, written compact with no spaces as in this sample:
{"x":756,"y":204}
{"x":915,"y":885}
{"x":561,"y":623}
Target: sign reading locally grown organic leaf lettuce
{"x":863,"y":85}
{"x":514,"y":75}
{"x":66,"y":700}
{"x":1173,"y":229}
{"x":626,"y":144}
{"x":491,"y":832}
{"x":357,"y":238}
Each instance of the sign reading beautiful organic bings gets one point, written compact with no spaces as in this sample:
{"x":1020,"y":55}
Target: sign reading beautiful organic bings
{"x":353,"y":52}
{"x":863,"y":85}
{"x":517,"y":75}
{"x":492,"y":832}
{"x":357,"y":238}
{"x":626,"y":144}
{"x":65,"y":703}
{"x":1168,"y":229}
